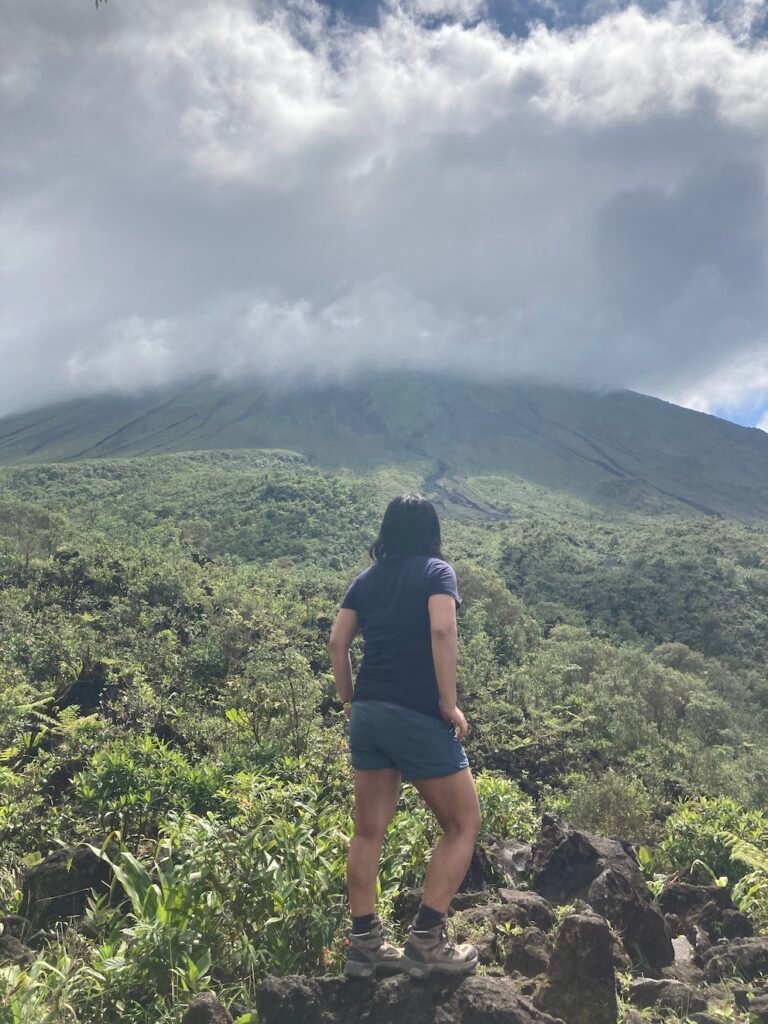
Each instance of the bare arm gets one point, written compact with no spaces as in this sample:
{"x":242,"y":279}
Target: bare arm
{"x":342,"y":634}
{"x":444,"y":632}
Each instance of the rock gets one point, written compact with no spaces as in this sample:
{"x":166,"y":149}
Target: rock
{"x":494,"y":915}
{"x":61,"y":778}
{"x":621,"y":960}
{"x":486,"y":949}
{"x":478,"y":872}
{"x":685,"y":900}
{"x":536,"y":909}
{"x":667,"y":995}
{"x":580,"y":984}
{"x":641,"y":927}
{"x":735,"y":925}
{"x":405,"y":905}
{"x":510,"y":860}
{"x":528,"y":952}
{"x":703,"y":908}
{"x":741,"y":995}
{"x":16,"y":925}
{"x":206,"y":1009}
{"x":742,"y":958}
{"x":14,"y":951}
{"x":467,"y":900}
{"x":474,"y":1000}
{"x":55,"y":890}
{"x":683,"y":969}
{"x":566,"y":862}
{"x":704,"y":1018}
{"x":758,"y":1010}
{"x":86,"y":691}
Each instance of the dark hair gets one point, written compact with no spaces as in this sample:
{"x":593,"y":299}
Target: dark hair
{"x":410,"y":527}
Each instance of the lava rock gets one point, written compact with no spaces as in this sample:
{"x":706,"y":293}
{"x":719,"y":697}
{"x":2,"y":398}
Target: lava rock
{"x":16,"y":925}
{"x":474,"y":1000}
{"x":686,"y":900}
{"x":510,"y":860}
{"x":15,"y":952}
{"x":706,"y":909}
{"x":580,"y":983}
{"x":667,"y":995}
{"x":642,"y":928}
{"x":527,"y":953}
{"x":742,"y":958}
{"x":537,"y":911}
{"x":56,"y":890}
{"x":494,"y":915}
{"x":468,"y":900}
{"x":61,"y":779}
{"x":206,"y":1009}
{"x":758,"y":1010}
{"x":566,"y":862}
{"x":735,"y":925}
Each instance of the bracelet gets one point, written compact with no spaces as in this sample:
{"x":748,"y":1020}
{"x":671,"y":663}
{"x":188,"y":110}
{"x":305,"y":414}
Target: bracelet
{"x":345,"y":702}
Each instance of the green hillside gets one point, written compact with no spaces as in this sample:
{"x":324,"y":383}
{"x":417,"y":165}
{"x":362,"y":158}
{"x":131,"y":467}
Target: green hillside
{"x":165,"y":678}
{"x":616,"y":449}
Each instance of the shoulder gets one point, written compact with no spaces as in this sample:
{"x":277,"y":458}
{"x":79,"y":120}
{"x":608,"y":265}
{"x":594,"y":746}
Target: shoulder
{"x":438,"y":567}
{"x":356,"y":588}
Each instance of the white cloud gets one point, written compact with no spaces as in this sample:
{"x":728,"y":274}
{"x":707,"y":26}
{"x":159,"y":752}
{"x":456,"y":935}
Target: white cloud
{"x":742,"y":381}
{"x":224,"y":186}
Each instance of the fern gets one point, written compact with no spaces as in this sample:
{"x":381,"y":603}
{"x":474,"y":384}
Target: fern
{"x":747,"y":853}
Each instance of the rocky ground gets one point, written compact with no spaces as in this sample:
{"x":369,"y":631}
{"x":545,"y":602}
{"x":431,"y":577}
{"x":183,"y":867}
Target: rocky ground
{"x":574,"y":937}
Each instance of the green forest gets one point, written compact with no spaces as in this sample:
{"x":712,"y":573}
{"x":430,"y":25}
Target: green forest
{"x":166,"y":698}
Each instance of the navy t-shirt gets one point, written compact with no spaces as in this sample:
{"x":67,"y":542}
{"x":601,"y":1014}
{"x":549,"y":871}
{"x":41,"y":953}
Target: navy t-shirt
{"x":391,"y":601}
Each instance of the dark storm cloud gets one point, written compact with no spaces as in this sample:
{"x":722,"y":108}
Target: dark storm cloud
{"x":231,"y":187}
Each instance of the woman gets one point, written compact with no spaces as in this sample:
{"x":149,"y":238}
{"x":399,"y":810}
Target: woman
{"x":405,"y":725}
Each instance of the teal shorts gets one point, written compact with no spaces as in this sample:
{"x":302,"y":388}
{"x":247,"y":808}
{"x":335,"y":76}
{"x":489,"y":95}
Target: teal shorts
{"x":387,"y":735}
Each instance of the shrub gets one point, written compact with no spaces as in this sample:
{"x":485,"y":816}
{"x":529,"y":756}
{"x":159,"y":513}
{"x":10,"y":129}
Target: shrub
{"x":132,"y":784}
{"x":609,"y":805}
{"x":699,"y":831}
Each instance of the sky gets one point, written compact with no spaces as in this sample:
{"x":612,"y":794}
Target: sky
{"x":571,"y":191}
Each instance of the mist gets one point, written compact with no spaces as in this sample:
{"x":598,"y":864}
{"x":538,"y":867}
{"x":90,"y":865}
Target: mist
{"x":230,"y":189}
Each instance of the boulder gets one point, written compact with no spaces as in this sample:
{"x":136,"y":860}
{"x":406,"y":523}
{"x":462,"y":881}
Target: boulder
{"x":735,"y":925}
{"x":535,"y":908}
{"x":665,"y":994}
{"x":339,"y":1000}
{"x":758,"y":1009}
{"x":640,"y":925}
{"x":205,"y":1008}
{"x":686,"y":901}
{"x":580,"y":984}
{"x":708,"y":909}
{"x":527,"y":952}
{"x":61,"y":779}
{"x":741,"y":958}
{"x":57,"y":888}
{"x":16,"y":925}
{"x":495,"y":914}
{"x":12,"y":950}
{"x":510,"y":860}
{"x":569,"y":864}
{"x":566,"y":862}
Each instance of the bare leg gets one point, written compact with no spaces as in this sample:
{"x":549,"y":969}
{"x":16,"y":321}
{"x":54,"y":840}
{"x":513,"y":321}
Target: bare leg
{"x":376,"y":795}
{"x":453,"y":798}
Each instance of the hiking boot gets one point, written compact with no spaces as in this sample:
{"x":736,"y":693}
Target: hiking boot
{"x":431,"y":951}
{"x":370,"y":954}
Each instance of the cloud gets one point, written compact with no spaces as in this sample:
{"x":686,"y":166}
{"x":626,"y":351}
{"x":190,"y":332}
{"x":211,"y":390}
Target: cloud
{"x":232,"y":187}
